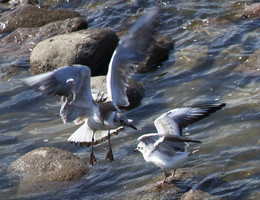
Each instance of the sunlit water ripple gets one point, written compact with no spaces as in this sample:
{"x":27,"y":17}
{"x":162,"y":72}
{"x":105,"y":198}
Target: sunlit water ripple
{"x":227,"y":165}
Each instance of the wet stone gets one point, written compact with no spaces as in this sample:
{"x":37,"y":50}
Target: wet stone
{"x":15,"y":3}
{"x":251,"y":65}
{"x":198,"y":195}
{"x":191,"y":57}
{"x":157,"y":53}
{"x":251,"y":11}
{"x":91,"y":47}
{"x":47,"y":169}
{"x":203,"y":190}
{"x":176,"y":187}
{"x":30,"y":16}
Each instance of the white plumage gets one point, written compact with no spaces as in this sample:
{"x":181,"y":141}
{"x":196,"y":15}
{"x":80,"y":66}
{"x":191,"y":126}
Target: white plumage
{"x":73,"y":84}
{"x":167,"y":149}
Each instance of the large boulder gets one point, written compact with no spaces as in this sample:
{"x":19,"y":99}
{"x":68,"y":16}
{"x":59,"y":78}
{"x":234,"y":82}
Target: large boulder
{"x":91,"y":47}
{"x":46,"y":169}
{"x":31,"y":16}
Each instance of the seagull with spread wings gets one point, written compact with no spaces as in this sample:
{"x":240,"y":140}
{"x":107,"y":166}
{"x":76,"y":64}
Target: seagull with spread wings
{"x":73,"y":84}
{"x":167,"y":149}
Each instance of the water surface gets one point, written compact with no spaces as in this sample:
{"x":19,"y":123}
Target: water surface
{"x":199,"y":69}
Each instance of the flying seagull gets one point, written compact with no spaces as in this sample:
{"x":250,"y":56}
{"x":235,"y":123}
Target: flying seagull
{"x":167,"y":149}
{"x":73,"y":84}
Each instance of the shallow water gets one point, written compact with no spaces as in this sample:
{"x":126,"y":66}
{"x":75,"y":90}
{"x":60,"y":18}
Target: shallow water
{"x":199,"y":69}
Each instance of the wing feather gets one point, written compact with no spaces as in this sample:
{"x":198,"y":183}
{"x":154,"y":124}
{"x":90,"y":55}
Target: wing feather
{"x":166,"y":142}
{"x":175,"y":120}
{"x":131,"y":50}
{"x":73,"y":84}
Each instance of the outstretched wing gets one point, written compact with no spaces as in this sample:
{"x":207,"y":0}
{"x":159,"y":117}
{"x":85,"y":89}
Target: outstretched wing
{"x":131,"y":50}
{"x":175,"y":120}
{"x":73,"y":84}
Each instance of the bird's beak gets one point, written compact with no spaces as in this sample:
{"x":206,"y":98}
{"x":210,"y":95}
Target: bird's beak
{"x":135,"y":150}
{"x":131,"y":126}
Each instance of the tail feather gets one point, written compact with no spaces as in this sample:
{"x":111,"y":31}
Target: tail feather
{"x":83,"y":135}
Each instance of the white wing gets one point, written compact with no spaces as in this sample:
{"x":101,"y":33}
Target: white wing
{"x":73,"y":84}
{"x":131,"y":50}
{"x":175,"y":120}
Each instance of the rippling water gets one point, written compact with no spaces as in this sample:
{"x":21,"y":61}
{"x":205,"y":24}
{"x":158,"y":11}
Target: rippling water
{"x":199,"y":69}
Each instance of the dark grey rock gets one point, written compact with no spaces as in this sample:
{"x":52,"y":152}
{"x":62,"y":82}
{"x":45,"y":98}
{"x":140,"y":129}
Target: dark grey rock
{"x":31,"y":16}
{"x":157,"y":53}
{"x":91,"y":47}
{"x":46,"y":169}
{"x":135,"y":92}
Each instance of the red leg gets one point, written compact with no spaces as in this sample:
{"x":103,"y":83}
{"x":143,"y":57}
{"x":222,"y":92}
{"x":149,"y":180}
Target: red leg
{"x":92,"y":158}
{"x":173,"y":174}
{"x":109,"y":153}
{"x":165,"y":177}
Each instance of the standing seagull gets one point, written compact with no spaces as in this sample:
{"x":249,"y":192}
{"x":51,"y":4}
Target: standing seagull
{"x":167,"y":148}
{"x":73,"y":84}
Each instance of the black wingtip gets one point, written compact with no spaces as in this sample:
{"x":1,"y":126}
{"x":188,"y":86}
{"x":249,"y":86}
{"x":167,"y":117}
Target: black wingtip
{"x":211,"y":108}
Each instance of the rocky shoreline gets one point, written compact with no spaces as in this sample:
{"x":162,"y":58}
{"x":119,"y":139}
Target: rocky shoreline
{"x":55,"y":38}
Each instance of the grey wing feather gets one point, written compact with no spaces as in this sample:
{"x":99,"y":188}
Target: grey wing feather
{"x":70,"y":82}
{"x":175,"y":120}
{"x":149,"y":138}
{"x":166,"y":142}
{"x":131,"y":50}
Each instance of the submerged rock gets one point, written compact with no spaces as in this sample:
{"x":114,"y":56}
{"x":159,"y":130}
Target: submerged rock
{"x":251,"y":65}
{"x":182,"y":183}
{"x":157,"y":53}
{"x":31,"y":16}
{"x":251,"y":11}
{"x":46,"y":169}
{"x":190,"y":57}
{"x":204,"y":189}
{"x":92,"y":47}
{"x":198,"y":195}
